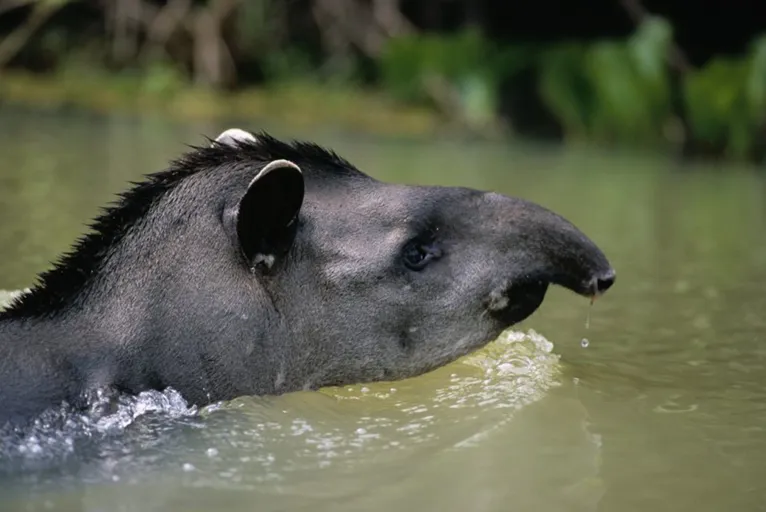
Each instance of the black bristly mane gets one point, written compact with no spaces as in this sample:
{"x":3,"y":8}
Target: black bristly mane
{"x":57,"y":287}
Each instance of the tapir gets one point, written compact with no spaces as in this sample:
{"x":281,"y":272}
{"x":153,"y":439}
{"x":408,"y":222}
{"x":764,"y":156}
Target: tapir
{"x":258,"y":266}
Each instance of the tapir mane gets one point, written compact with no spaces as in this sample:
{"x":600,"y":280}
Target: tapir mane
{"x":310,"y":157}
{"x":57,"y":287}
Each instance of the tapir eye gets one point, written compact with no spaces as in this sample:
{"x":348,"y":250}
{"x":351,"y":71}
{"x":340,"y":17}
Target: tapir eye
{"x":417,"y":254}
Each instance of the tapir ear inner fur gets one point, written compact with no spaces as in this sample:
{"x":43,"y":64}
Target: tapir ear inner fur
{"x":267,"y":213}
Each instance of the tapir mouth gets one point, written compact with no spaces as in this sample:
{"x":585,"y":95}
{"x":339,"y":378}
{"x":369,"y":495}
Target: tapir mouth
{"x":518,"y":301}
{"x":521,"y":299}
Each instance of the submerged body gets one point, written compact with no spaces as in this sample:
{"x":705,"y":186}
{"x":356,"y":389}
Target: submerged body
{"x":255,"y":266}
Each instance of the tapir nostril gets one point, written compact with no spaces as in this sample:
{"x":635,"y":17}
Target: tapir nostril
{"x":603,"y":282}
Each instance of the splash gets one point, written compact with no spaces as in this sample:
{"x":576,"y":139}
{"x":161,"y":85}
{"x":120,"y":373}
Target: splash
{"x":463,"y":401}
{"x":56,"y":431}
{"x":511,"y":371}
{"x":519,"y":368}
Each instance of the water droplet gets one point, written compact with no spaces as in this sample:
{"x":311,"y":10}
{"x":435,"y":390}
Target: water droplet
{"x":584,"y":343}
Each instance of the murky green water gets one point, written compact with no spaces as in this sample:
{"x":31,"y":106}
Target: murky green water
{"x":665,"y":410}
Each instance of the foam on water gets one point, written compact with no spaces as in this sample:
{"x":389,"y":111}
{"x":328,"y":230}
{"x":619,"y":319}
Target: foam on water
{"x":515,"y":369}
{"x":466,"y":400}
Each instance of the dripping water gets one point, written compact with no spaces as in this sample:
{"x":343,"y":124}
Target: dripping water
{"x":584,"y":342}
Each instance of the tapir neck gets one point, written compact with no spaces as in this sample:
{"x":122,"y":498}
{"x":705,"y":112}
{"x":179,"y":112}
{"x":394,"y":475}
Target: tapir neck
{"x":44,"y":362}
{"x":215,"y":344}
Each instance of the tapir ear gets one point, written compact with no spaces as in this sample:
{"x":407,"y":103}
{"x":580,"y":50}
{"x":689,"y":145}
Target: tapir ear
{"x":233,"y":136}
{"x":267,"y":213}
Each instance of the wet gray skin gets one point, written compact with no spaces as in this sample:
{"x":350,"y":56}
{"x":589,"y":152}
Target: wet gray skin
{"x":256,"y":267}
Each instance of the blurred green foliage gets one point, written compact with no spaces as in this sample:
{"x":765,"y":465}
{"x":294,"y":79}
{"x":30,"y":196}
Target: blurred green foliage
{"x":726,"y":101}
{"x":610,"y":90}
{"x":621,"y":92}
{"x":615,"y":92}
{"x":262,"y":37}
{"x":472,"y":68}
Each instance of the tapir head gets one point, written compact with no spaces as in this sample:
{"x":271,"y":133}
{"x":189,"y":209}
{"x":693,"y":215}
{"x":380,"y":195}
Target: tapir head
{"x":255,"y":266}
{"x":379,"y":281}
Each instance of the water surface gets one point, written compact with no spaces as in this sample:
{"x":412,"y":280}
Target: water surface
{"x":664,"y":410}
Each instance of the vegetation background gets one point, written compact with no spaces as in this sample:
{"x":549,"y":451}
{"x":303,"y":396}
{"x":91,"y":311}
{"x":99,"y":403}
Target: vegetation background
{"x":675,"y":76}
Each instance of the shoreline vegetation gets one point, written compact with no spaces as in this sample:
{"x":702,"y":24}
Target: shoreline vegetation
{"x":300,"y":105}
{"x":322,"y":62}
